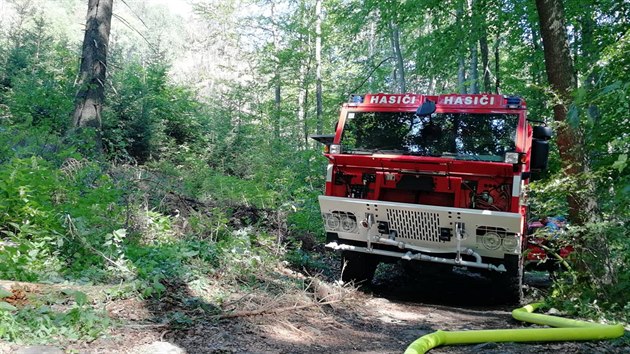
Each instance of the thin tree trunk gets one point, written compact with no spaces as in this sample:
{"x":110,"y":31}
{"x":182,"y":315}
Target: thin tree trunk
{"x":559,"y":67}
{"x":303,"y":100}
{"x":476,"y":24}
{"x":536,"y":69}
{"x":431,"y":89}
{"x":276,"y":81}
{"x":590,"y":54}
{"x":371,"y":52}
{"x":301,"y":112}
{"x":483,"y":46}
{"x":400,"y":65}
{"x":276,"y":107}
{"x":461,"y":64}
{"x":461,"y":74}
{"x":88,"y":103}
{"x":474,"y":73}
{"x":318,"y":63}
{"x":497,"y":67}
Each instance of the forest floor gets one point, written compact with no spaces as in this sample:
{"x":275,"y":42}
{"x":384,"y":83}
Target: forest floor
{"x":385,"y":318}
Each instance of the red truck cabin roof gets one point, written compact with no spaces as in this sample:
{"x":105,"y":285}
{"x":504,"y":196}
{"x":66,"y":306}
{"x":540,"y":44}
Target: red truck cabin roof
{"x":408,"y":101}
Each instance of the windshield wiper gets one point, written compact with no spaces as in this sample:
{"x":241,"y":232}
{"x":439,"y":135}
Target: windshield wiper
{"x":418,"y":153}
{"x":376,"y":151}
{"x":458,"y":156}
{"x":389,"y":151}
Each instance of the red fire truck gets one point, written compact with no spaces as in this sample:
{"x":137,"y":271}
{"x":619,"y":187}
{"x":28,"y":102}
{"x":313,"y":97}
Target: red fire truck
{"x":437,"y":179}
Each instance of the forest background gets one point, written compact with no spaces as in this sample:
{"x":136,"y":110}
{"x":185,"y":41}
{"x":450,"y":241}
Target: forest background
{"x":209,"y":105}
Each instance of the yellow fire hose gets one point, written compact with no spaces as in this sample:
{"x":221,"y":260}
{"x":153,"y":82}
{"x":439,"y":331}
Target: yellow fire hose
{"x":567,"y":330}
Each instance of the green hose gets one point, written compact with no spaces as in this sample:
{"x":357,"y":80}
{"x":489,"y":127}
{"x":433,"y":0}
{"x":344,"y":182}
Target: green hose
{"x":568,"y":330}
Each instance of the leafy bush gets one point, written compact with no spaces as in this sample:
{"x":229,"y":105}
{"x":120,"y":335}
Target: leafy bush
{"x":42,"y":324}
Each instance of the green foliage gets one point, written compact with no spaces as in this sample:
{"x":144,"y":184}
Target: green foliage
{"x":44,"y":325}
{"x":304,"y":260}
{"x":218,"y":136}
{"x":150,"y":118}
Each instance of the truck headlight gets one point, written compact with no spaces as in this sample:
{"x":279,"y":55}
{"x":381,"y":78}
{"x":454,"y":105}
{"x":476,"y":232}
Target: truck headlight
{"x":512,"y":157}
{"x":348,"y":224}
{"x":510,"y":243}
{"x":332,"y":221}
{"x":335,"y":149}
{"x":491,"y":241}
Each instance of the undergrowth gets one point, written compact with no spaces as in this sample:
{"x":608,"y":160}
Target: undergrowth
{"x":64,"y":219}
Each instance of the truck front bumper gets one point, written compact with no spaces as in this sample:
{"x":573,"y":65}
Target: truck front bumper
{"x":465,"y":237}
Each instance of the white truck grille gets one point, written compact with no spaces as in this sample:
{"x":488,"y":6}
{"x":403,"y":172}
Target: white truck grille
{"x":414,"y":225}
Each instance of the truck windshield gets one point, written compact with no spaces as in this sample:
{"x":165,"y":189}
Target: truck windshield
{"x":485,"y":137}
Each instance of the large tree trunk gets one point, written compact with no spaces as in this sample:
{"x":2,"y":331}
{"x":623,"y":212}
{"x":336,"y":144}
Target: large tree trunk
{"x":318,"y":64}
{"x":90,"y":96}
{"x":559,"y":67}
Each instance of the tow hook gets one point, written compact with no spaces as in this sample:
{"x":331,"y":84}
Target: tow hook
{"x":367,"y":223}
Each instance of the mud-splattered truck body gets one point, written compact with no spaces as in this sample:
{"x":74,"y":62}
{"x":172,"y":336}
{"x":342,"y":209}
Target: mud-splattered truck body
{"x":438,"y":179}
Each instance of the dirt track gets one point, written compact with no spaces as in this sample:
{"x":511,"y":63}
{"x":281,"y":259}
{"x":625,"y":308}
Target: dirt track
{"x":385,"y":318}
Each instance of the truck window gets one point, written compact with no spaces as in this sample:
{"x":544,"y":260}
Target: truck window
{"x":485,"y":137}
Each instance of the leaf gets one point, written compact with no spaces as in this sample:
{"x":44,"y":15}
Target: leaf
{"x":4,"y":293}
{"x":80,"y":297}
{"x":611,"y":87}
{"x":573,"y":116}
{"x":621,"y":162}
{"x":192,"y":253}
{"x":5,"y":306}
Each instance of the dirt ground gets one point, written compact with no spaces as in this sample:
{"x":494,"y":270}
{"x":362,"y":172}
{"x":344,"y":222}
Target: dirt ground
{"x":383,"y":318}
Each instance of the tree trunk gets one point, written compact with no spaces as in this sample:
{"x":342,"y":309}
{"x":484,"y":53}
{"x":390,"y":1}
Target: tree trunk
{"x":559,"y":67}
{"x":461,"y":74}
{"x":88,"y":103}
{"x":318,"y":64}
{"x":461,"y":64}
{"x":482,"y":18}
{"x":483,"y":46}
{"x":474,"y":73}
{"x":303,"y":101}
{"x":497,"y":66}
{"x":276,"y":107}
{"x":536,"y":67}
{"x":371,"y":51}
{"x":476,"y":21}
{"x":400,"y":64}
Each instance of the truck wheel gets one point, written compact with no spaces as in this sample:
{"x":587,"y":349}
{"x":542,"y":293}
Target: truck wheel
{"x":509,"y":285}
{"x":358,"y":267}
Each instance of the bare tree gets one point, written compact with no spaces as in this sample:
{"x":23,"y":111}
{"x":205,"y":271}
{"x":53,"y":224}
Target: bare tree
{"x":91,"y":81}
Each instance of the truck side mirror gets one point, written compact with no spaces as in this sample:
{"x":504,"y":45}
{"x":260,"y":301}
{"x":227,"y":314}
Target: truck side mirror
{"x":540,"y":147}
{"x":543,"y":133}
{"x":426,"y":109}
{"x":540,"y":155}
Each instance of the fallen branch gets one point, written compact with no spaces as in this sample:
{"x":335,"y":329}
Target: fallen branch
{"x":270,"y":311}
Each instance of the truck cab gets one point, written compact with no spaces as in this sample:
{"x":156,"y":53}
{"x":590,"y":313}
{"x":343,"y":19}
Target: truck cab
{"x":436,"y":179}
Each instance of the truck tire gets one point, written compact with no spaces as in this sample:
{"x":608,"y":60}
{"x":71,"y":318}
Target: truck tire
{"x":358,"y":267}
{"x":509,"y":285}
